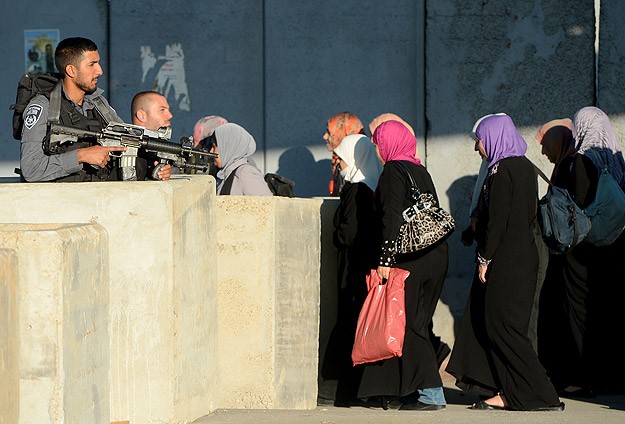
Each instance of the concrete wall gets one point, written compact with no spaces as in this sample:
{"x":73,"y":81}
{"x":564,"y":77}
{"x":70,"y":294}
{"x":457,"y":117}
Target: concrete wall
{"x":169,"y":301}
{"x":9,"y":339}
{"x":268,"y":259}
{"x":63,"y":321}
{"x":610,"y":64}
{"x":158,"y":288}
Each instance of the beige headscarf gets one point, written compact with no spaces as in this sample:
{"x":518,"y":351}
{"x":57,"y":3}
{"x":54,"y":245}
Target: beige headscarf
{"x":556,"y":138}
{"x":375,"y":123}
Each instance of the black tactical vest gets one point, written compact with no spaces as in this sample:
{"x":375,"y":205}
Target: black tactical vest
{"x":71,"y":117}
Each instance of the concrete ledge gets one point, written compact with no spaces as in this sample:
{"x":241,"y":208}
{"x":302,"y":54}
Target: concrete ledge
{"x":268,"y":261}
{"x":63,"y":321}
{"x":163,"y":308}
{"x":9,"y":341}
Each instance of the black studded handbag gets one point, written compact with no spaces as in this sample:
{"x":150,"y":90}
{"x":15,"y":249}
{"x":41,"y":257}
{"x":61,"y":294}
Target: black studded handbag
{"x":425,"y":223}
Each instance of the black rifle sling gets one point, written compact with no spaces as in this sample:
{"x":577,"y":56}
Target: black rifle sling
{"x":54,"y":115}
{"x":104,"y":111}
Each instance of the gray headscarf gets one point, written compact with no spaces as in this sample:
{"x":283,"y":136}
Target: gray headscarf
{"x":235,"y":145}
{"x":592,"y":130}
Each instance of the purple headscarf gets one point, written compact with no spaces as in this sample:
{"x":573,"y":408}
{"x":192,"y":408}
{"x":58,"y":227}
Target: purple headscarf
{"x":500,"y":138}
{"x":395,"y":142}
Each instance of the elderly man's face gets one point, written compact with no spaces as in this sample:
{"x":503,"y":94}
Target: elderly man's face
{"x":330,"y":138}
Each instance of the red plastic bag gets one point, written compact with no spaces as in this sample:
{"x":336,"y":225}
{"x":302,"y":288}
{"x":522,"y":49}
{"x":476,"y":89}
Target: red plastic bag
{"x":382,"y":320}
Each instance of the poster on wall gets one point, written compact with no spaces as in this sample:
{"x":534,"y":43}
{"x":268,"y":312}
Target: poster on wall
{"x":39,"y":47}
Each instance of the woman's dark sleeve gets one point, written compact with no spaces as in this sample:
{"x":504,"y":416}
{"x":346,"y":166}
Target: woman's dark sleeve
{"x":499,"y":208}
{"x":392,"y":192}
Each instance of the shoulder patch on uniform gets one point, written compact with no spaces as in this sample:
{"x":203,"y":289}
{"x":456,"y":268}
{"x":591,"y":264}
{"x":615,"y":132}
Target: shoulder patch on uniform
{"x":31,"y":116}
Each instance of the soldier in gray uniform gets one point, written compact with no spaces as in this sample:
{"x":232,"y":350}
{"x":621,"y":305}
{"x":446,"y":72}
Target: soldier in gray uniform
{"x":78,"y":61}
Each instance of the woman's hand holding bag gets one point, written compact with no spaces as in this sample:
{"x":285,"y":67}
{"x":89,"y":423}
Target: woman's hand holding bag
{"x":382,"y":320}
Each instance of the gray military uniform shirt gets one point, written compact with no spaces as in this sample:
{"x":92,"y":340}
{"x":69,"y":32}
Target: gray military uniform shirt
{"x":35,"y":165}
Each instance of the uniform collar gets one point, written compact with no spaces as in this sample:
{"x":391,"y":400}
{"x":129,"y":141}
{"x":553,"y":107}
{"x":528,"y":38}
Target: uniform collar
{"x":88,"y":99}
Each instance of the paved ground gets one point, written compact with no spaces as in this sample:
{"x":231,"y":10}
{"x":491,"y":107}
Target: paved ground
{"x":605,"y":409}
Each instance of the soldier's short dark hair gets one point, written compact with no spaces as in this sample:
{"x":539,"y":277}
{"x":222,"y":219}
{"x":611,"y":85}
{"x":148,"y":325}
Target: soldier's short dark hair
{"x":70,"y":50}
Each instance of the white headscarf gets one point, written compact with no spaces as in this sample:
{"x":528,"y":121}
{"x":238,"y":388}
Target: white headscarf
{"x":363,"y":164}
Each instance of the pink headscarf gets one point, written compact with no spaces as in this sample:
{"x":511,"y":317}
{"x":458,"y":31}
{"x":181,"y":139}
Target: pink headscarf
{"x":395,"y":142}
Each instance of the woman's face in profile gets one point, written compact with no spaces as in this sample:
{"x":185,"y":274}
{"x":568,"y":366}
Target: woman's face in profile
{"x":479,"y":147}
{"x":217,"y":161}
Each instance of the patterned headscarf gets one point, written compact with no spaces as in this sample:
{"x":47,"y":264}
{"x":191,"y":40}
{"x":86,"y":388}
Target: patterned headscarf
{"x":395,"y":142}
{"x":500,"y":138}
{"x":592,"y":130}
{"x":362,"y":161}
{"x":343,"y":124}
{"x":556,"y":138}
{"x":234,"y":143}
{"x":205,"y":127}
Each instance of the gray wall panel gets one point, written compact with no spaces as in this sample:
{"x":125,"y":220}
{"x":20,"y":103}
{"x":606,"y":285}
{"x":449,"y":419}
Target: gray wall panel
{"x":611,"y":64}
{"x":326,"y":57}
{"x":222,"y":58}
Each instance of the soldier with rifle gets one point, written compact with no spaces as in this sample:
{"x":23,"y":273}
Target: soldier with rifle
{"x":81,"y":106}
{"x":72,"y":134}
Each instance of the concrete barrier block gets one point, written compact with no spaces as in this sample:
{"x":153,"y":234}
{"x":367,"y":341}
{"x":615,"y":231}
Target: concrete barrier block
{"x":163,"y":306}
{"x":268,"y":260}
{"x":9,"y":340}
{"x":63,"y":321}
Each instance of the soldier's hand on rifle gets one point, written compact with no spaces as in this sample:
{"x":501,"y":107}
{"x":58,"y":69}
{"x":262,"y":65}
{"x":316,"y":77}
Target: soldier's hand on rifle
{"x":97,"y":155}
{"x":164,"y":172}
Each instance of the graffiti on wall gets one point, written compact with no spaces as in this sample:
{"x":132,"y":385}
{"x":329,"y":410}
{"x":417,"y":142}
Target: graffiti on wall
{"x":165,"y":74}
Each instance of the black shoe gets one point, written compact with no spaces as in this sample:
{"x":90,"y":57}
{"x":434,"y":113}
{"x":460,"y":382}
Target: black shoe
{"x":559,"y":407}
{"x":483,"y":406}
{"x":420,"y":406}
{"x":353,"y":402}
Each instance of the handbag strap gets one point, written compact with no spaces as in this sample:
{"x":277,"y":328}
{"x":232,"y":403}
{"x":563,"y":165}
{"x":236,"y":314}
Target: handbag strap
{"x":414,"y":190}
{"x":541,"y":173}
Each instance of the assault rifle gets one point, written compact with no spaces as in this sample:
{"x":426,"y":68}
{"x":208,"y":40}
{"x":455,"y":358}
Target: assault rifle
{"x":133,"y":138}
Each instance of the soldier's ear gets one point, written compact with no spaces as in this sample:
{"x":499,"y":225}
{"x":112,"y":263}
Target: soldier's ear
{"x":141,"y":115}
{"x":70,"y":70}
